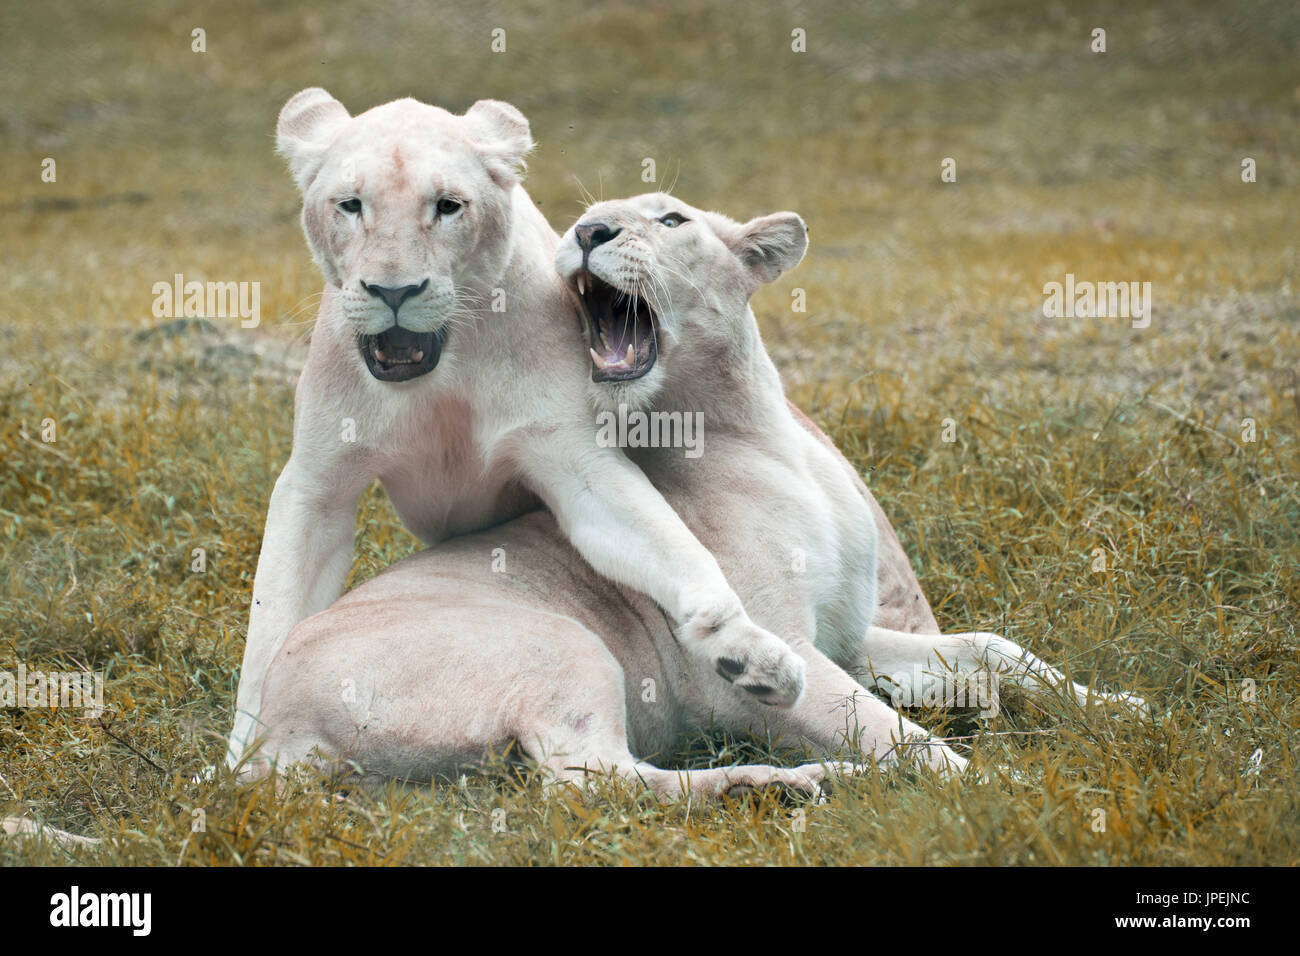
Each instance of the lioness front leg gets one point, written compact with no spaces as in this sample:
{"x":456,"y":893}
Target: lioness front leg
{"x":625,"y":529}
{"x":306,"y":553}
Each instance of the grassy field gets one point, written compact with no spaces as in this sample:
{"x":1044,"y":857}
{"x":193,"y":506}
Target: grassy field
{"x":924,"y":304}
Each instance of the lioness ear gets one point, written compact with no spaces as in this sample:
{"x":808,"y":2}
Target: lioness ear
{"x":770,"y":245}
{"x":501,"y":132}
{"x":307,"y":125}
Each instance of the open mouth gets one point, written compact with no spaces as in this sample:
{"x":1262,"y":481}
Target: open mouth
{"x":398,"y":354}
{"x":621,"y":330}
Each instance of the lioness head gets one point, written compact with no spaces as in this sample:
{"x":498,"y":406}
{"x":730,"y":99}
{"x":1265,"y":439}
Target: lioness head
{"x":407,"y":212}
{"x":656,"y":278}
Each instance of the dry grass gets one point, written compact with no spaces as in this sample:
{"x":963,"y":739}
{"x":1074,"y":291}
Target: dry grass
{"x":924,"y":304}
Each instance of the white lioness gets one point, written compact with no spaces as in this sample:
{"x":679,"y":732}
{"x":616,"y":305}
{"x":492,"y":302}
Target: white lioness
{"x":435,"y":257}
{"x":437,"y":661}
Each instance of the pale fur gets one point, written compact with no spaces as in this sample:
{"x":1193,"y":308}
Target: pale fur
{"x":440,"y":660}
{"x":500,"y":422}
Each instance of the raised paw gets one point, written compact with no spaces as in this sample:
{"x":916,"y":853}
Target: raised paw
{"x":718,"y":630}
{"x":756,"y":661}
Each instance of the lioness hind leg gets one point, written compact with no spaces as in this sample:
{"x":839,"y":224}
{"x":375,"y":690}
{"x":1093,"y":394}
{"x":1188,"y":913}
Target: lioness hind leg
{"x":581,"y":753}
{"x":904,"y":659}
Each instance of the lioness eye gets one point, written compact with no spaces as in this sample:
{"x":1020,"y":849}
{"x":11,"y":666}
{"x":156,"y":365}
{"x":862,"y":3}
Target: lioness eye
{"x":673,"y":220}
{"x":449,"y":207}
{"x":350,"y":206}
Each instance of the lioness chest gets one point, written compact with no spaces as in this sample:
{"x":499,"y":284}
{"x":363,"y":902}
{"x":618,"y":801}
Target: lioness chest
{"x":437,"y":475}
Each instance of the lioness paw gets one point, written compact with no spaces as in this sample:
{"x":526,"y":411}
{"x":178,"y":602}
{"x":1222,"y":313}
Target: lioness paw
{"x":1136,"y":706}
{"x":756,"y":661}
{"x":748,"y":779}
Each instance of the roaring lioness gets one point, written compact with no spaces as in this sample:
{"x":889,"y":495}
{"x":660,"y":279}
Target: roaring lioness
{"x":435,"y":257}
{"x":436,"y":661}
{"x":664,"y":292}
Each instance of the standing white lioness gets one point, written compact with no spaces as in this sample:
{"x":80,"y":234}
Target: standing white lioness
{"x":446,"y":662}
{"x":434,"y":257}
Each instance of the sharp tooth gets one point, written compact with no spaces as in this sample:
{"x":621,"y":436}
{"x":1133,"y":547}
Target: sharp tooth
{"x":603,"y":339}
{"x":595,"y":357}
{"x":631,"y":358}
{"x":418,"y":356}
{"x":379,"y":354}
{"x":582,"y":285}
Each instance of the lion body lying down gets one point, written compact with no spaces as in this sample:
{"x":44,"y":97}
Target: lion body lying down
{"x":425,"y":669}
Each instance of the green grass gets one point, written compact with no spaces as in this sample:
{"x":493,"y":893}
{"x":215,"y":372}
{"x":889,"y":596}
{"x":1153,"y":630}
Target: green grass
{"x":924,"y":304}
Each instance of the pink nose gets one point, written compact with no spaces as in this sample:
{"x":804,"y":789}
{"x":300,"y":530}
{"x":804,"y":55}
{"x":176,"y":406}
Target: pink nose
{"x":592,"y":234}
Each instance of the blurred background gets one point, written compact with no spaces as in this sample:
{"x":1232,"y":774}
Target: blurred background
{"x":924,"y":305}
{"x":1116,"y":165}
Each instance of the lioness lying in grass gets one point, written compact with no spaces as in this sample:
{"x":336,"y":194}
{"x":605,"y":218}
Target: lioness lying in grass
{"x":442,"y":658}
